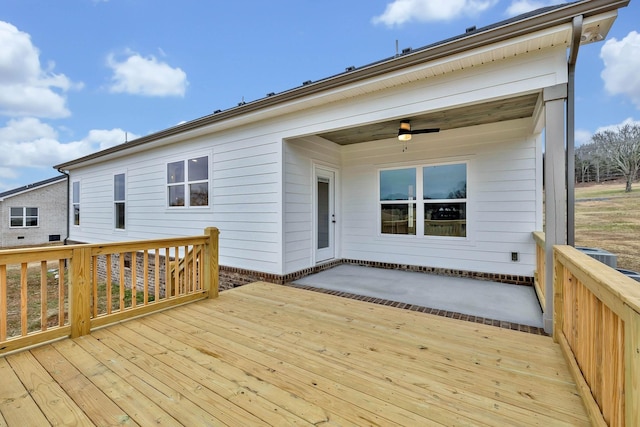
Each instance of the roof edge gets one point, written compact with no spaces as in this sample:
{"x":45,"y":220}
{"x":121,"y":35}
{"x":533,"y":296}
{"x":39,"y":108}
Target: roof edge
{"x":530,"y":22}
{"x":29,"y":187}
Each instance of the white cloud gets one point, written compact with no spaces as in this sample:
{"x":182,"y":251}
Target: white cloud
{"x":518,"y":7}
{"x":26,"y":89}
{"x":147,"y":76}
{"x":400,"y":11}
{"x":621,"y":65}
{"x":581,"y":137}
{"x":30,"y":143}
{"x":103,"y":139}
{"x":628,"y":121}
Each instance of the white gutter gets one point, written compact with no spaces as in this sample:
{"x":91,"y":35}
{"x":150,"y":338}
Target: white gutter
{"x":571,"y":123}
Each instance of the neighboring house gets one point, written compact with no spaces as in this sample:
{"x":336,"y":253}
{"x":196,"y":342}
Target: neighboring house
{"x":316,"y":175}
{"x":35,"y":214}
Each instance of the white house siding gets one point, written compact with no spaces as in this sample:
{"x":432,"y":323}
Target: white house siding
{"x":51,"y":201}
{"x":503,"y":198}
{"x":300,"y":156}
{"x":244,"y":198}
{"x":490,"y":250}
{"x":256,"y":197}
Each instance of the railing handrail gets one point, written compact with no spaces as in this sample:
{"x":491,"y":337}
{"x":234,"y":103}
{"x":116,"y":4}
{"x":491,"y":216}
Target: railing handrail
{"x":539,"y":238}
{"x":610,"y":286}
{"x":34,"y":254}
{"x":78,"y":283}
{"x":597,"y":324}
{"x":19,"y":256}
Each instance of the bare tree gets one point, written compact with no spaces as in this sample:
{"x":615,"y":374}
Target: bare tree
{"x":583,"y":161}
{"x":623,"y":149}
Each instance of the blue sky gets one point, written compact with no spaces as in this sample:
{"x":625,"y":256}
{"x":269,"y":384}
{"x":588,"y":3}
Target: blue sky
{"x":77,"y":76}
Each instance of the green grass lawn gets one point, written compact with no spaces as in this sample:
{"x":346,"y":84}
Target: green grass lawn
{"x":608,"y":218}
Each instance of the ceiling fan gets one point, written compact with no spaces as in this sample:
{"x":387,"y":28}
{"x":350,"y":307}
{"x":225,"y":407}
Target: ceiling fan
{"x":405,"y":131}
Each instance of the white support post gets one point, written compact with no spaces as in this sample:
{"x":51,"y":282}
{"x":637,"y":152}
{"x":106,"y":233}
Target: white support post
{"x":555,"y":214}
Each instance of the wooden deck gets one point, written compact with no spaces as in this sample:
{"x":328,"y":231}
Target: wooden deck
{"x":265,"y":354}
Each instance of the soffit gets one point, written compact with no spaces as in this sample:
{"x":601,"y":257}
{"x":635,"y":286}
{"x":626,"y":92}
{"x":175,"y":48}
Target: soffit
{"x":471,"y":115}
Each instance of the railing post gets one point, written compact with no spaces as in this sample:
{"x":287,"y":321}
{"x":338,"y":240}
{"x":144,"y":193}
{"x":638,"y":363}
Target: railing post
{"x":632,"y":367}
{"x":80,"y":292}
{"x":540,"y":273}
{"x":211,"y":268}
{"x":558,"y":297}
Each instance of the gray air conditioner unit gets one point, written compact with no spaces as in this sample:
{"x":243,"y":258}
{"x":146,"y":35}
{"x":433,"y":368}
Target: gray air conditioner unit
{"x":631,"y":274}
{"x":601,"y":255}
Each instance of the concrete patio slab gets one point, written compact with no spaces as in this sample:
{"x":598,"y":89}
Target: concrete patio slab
{"x":498,"y":301}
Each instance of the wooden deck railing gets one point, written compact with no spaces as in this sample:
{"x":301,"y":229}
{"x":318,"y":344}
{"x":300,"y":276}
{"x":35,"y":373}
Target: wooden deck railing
{"x":50,"y":293}
{"x":539,"y":278}
{"x":597,"y":324}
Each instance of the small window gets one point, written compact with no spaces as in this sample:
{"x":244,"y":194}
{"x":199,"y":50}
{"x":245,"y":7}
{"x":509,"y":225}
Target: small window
{"x":24,"y":217}
{"x":75,"y":201}
{"x":397,"y":201}
{"x":119,"y":201}
{"x":188,"y":182}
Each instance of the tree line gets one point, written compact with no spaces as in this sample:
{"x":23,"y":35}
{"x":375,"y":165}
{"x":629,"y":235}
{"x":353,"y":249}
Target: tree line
{"x":610,"y":154}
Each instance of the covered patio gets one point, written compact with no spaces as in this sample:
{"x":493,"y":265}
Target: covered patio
{"x":513,"y":306}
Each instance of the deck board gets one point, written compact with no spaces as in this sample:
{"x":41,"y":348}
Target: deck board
{"x":266,"y":354}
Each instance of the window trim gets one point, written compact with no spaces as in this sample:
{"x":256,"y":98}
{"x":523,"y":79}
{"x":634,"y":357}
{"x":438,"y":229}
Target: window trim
{"x":187,"y":183}
{"x":24,"y":217}
{"x":419,"y":202}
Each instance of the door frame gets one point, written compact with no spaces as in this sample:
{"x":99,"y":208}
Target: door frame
{"x":323,"y":255}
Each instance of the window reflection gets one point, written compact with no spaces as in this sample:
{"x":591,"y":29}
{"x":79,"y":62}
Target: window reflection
{"x":445,"y":182}
{"x":398,"y":219}
{"x":199,"y":169}
{"x":397,"y":184}
{"x":445,"y":219}
{"x":175,"y":172}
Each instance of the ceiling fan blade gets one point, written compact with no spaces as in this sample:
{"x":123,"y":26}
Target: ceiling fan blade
{"x":431,"y":130}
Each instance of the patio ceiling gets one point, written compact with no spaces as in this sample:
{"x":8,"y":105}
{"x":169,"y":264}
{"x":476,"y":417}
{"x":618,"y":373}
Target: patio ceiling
{"x":471,"y":115}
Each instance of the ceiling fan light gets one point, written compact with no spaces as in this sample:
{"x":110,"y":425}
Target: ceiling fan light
{"x":404,"y":132}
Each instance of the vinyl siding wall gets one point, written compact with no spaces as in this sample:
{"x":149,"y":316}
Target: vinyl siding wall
{"x":503,"y":203}
{"x":261,"y":172}
{"x":244,"y":198}
{"x":300,"y":158}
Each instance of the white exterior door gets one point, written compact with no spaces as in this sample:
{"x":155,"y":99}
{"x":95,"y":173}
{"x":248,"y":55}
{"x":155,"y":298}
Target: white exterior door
{"x":325,"y":218}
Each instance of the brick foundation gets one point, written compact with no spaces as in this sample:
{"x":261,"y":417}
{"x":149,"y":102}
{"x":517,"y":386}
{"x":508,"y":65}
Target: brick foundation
{"x":231,"y":277}
{"x":139,"y":268}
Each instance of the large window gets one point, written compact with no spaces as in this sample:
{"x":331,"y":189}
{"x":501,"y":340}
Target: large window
{"x":119,"y":200}
{"x":433,"y":205}
{"x":75,"y":202}
{"x":24,"y":217}
{"x":188,"y":182}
